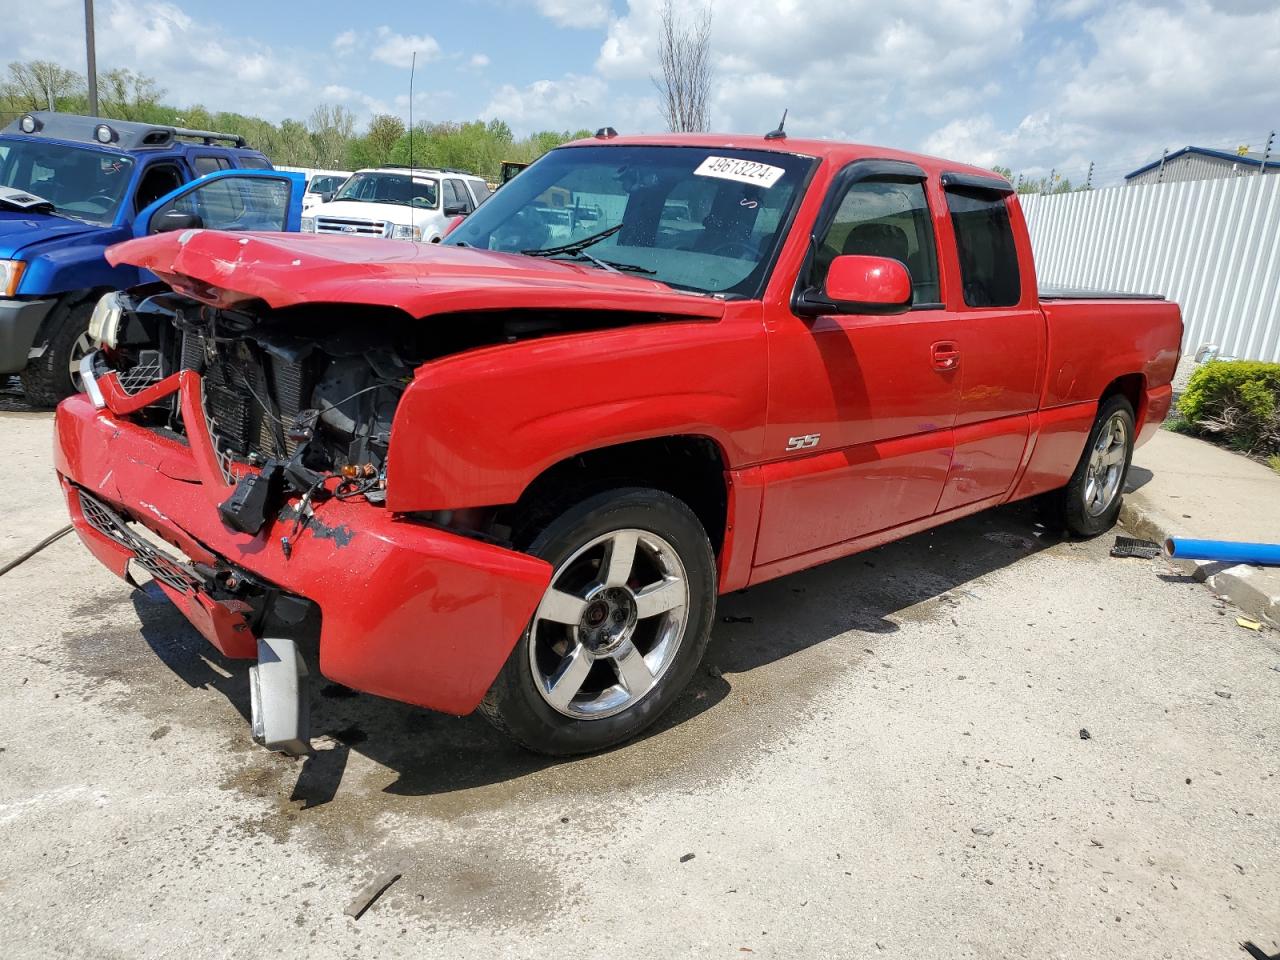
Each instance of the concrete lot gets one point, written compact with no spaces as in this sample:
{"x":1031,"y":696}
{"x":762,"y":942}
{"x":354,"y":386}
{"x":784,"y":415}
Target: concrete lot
{"x":885,"y":760}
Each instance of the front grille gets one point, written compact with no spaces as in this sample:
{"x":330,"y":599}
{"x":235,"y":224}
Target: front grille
{"x":250,"y":397}
{"x":160,"y":565}
{"x":352,"y":226}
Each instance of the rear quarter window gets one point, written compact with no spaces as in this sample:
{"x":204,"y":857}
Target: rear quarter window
{"x":984,"y":242}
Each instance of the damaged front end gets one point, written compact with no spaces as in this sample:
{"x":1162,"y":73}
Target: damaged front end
{"x":238,"y":457}
{"x":295,"y":401}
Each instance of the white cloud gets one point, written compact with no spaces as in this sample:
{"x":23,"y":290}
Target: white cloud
{"x":345,"y":42}
{"x":397,"y":49}
{"x":479,"y":61}
{"x":572,"y":102}
{"x":580,"y":14}
{"x":842,"y":67}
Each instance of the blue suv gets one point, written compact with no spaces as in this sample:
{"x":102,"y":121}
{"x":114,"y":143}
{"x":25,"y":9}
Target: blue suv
{"x":71,"y":186}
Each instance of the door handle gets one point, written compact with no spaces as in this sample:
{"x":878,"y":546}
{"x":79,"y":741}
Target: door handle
{"x":946,"y":355}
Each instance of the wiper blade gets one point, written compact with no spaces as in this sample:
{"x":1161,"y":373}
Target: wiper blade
{"x":613,"y":266}
{"x":576,"y":247}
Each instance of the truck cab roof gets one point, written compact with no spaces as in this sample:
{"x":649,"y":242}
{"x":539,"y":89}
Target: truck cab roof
{"x":124,"y":136}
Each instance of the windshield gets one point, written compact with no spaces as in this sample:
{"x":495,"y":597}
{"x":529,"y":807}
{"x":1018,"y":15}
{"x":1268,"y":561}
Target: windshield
{"x":697,"y":218}
{"x":389,"y":188}
{"x":82,"y":183}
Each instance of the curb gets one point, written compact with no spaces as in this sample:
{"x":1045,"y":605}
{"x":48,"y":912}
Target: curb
{"x":1255,"y":590}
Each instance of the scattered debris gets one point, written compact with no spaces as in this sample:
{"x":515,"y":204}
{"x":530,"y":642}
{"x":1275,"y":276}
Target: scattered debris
{"x":1224,"y":694}
{"x":1135,"y":547}
{"x":732,"y":619}
{"x":1085,"y":734}
{"x":372,"y":891}
{"x":983,"y":831}
{"x":1096,"y":843}
{"x":1248,"y":624}
{"x":686,"y":858}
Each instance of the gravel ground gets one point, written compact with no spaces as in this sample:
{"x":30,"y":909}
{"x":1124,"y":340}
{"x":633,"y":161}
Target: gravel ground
{"x":885,"y":758}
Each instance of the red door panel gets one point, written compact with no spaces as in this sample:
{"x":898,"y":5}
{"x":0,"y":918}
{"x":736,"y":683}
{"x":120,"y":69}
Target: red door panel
{"x":869,"y":389}
{"x":987,"y":455}
{"x":814,"y":502}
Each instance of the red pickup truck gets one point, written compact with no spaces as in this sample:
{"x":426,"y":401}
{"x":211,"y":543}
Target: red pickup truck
{"x":513,"y":471}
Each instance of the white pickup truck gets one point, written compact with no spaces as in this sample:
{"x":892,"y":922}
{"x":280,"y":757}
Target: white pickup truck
{"x":398,"y":203}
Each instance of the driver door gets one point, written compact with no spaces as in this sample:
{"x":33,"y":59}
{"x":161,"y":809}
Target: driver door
{"x":258,"y":200}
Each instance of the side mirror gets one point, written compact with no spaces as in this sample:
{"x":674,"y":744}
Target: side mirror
{"x":868,"y":284}
{"x":455,"y":209}
{"x":176,"y":220}
{"x":327,"y":196}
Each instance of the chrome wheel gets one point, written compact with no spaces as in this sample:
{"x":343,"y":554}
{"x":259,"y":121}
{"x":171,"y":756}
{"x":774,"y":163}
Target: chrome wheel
{"x":609,"y":625}
{"x":80,"y":348}
{"x":1105,"y":471}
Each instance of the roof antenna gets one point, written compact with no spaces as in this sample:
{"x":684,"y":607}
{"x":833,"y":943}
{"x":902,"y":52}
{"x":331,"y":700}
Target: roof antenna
{"x":778,"y":134}
{"x":413,"y":64}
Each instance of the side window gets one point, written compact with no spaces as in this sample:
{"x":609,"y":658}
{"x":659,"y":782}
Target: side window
{"x":456,"y":189}
{"x":254,"y":163}
{"x":984,"y":241}
{"x":234,"y":203}
{"x":882,"y":218}
{"x":480,"y":189}
{"x":206,"y":164}
{"x":157,"y":180}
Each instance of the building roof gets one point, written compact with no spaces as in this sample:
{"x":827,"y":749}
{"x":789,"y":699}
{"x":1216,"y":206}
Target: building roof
{"x":1250,"y":159}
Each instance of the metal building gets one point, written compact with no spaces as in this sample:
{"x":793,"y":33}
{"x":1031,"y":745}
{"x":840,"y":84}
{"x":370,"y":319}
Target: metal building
{"x":1201,"y":163}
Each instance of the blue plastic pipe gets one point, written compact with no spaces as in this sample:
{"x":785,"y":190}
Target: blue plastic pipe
{"x":1226,"y":551}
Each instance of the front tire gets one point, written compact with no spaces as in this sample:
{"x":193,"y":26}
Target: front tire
{"x":55,"y":374}
{"x":620,"y":630}
{"x":1092,"y":498}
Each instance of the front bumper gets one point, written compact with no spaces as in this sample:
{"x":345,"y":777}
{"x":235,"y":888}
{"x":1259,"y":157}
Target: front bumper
{"x":19,"y":325}
{"x":409,"y":612}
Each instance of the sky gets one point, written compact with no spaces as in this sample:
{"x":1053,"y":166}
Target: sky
{"x":1035,"y":85}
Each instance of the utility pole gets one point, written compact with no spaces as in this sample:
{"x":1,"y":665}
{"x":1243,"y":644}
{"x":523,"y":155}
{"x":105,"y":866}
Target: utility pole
{"x":1164,"y":156}
{"x":1266,"y":154}
{"x":1053,"y":178}
{"x":91,"y":57}
{"x":1088,"y":181}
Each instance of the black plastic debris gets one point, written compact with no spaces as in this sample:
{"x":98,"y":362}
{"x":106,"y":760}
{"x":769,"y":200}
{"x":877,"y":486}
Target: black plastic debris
{"x":1134,"y":547}
{"x":1085,"y":734}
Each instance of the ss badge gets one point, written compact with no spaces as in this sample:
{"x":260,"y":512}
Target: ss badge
{"x":805,"y":442}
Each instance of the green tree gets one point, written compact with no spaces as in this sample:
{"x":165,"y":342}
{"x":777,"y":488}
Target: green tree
{"x":125,"y":95}
{"x":40,"y":85}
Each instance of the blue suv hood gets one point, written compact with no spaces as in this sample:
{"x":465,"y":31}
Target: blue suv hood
{"x":19,"y":230}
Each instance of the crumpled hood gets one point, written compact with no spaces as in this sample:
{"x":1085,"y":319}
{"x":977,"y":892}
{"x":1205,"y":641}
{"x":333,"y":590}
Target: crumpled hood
{"x":285,"y":269}
{"x":19,"y":230}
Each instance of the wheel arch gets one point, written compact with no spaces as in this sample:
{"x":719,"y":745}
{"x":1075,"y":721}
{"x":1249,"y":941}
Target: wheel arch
{"x":691,"y":467}
{"x":1131,"y":386}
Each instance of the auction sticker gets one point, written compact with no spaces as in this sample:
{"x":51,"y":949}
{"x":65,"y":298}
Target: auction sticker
{"x":743,"y":171}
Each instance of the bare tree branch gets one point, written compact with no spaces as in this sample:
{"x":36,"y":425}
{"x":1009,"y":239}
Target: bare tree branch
{"x":684,"y":54}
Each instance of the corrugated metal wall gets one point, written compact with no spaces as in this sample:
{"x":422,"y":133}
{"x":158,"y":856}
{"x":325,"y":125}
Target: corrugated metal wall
{"x":1211,"y":245}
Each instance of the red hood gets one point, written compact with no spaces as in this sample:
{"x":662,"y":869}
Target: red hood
{"x":284,"y":269}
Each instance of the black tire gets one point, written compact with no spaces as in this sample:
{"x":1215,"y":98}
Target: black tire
{"x":1078,"y":516}
{"x":47,"y":379}
{"x":515,"y":705}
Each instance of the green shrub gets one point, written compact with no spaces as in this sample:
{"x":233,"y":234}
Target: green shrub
{"x":1238,"y":401}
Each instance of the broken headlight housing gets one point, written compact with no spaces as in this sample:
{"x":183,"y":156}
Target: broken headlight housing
{"x":104,"y":324}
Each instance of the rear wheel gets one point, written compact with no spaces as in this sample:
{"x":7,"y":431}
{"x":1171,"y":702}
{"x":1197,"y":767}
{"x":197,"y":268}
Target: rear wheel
{"x":1091,"y":500}
{"x":620,"y":630}
{"x":55,"y":374}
